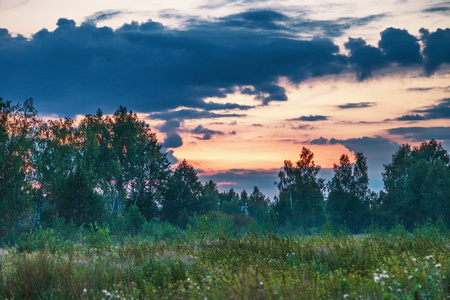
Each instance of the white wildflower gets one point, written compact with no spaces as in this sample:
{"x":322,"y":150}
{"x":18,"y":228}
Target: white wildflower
{"x":410,"y":277}
{"x":376,"y":278}
{"x":429,"y":257}
{"x":346,"y":296}
{"x":438,"y":266}
{"x":261,"y":283}
{"x":84,"y":290}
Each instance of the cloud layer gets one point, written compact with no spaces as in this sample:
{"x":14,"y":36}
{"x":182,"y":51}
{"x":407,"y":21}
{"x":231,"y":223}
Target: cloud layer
{"x":151,"y":68}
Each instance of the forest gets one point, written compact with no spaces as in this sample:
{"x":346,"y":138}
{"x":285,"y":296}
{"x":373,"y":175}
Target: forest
{"x":111,"y":170}
{"x":94,"y":210}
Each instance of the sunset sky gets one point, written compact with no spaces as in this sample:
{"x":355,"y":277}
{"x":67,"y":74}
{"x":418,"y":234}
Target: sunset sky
{"x":236,"y":87}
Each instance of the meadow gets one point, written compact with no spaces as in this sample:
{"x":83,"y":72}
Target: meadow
{"x":211,"y":260}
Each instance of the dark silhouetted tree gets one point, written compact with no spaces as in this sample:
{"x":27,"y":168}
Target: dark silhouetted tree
{"x":258,"y":205}
{"x":183,"y":196}
{"x":18,"y":128}
{"x":417,"y":185}
{"x":211,"y":195}
{"x":230,"y":202}
{"x":348,"y":197}
{"x":301,"y":200}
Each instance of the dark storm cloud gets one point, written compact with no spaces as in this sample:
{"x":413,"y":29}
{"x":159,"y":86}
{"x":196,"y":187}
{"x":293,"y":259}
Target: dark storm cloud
{"x":357,"y":105}
{"x":415,"y":117}
{"x":173,"y":139}
{"x":441,"y":110}
{"x":75,"y":69}
{"x":151,"y":68}
{"x":437,"y":48}
{"x":400,"y":47}
{"x":202,"y":130}
{"x":420,"y":134}
{"x":396,"y":46}
{"x":190,"y":114}
{"x":319,"y":141}
{"x":226,"y":106}
{"x":310,"y":118}
{"x":205,"y":132}
{"x":365,"y":58}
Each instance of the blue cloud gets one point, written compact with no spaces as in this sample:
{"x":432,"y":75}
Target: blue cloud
{"x":441,"y":110}
{"x":420,"y":134}
{"x":310,"y":118}
{"x":356,"y":105}
{"x":150,"y":68}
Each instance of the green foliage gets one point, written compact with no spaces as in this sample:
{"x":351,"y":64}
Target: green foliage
{"x":99,"y":238}
{"x":43,"y":239}
{"x":301,"y":199}
{"x":393,"y":265}
{"x":183,"y":196}
{"x":417,"y":185}
{"x":160,"y":231}
{"x":348,"y":198}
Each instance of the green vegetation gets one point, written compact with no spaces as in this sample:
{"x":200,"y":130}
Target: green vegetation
{"x":216,"y":263}
{"x":94,"y":210}
{"x":111,"y":171}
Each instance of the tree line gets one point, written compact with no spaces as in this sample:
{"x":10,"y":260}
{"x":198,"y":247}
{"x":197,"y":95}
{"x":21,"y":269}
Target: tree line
{"x":107,"y":168}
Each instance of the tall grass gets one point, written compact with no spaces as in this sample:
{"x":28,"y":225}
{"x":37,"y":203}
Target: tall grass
{"x":197,"y":264}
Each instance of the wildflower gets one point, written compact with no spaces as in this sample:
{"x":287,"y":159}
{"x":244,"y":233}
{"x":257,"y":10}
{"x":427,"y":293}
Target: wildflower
{"x":406,"y":271}
{"x":410,"y":277}
{"x":399,"y":290}
{"x":438,"y":266}
{"x":261,"y":283}
{"x":346,"y":296}
{"x":84,"y":290}
{"x":416,"y":270}
{"x":188,"y":279}
{"x":414,"y":259}
{"x":429,"y":257}
{"x":376,"y":278}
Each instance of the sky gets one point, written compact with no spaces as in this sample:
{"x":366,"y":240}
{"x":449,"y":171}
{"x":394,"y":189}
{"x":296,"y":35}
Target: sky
{"x":236,"y":87}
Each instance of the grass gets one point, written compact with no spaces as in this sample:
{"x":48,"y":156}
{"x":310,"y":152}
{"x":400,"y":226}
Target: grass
{"x":192,"y":265}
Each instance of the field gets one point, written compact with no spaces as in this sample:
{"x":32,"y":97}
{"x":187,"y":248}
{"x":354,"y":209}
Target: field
{"x":163,"y":262}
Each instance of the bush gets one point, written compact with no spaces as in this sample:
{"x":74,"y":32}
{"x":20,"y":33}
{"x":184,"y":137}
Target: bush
{"x":99,"y":238}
